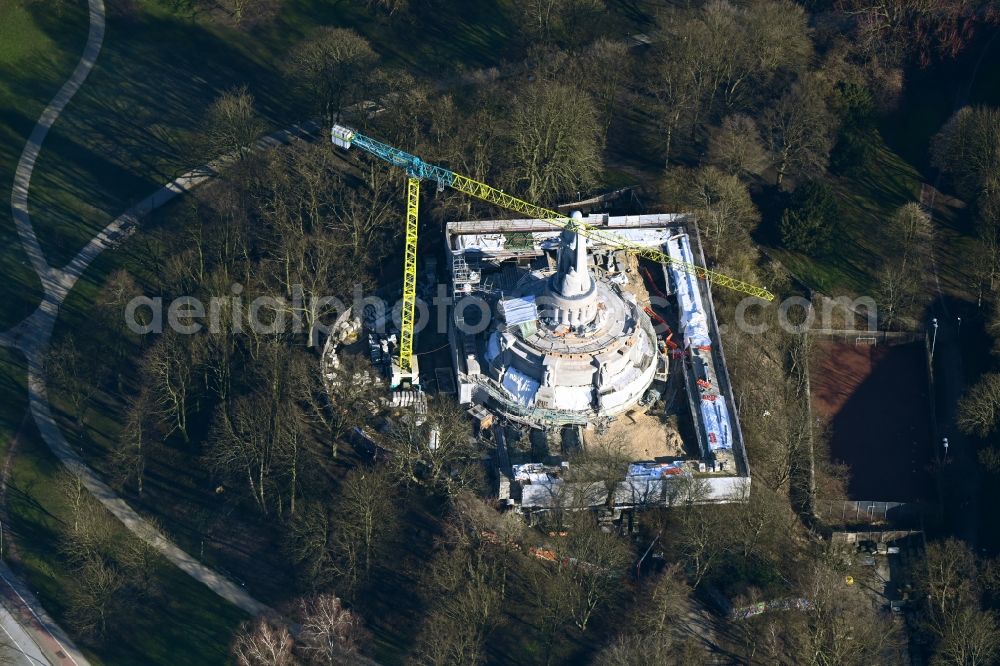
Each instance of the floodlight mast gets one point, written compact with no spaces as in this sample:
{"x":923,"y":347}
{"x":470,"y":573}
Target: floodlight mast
{"x":417,"y":170}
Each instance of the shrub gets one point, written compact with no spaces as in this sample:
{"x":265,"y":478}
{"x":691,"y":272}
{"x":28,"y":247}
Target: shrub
{"x":810,"y":221}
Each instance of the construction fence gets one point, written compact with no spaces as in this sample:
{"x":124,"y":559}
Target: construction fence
{"x":863,"y":337}
{"x":857,"y":512}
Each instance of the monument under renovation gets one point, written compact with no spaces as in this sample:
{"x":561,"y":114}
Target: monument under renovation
{"x":580,"y":337}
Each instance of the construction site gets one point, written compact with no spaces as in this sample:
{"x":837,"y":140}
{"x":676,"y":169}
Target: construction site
{"x":585,"y":349}
{"x":569,"y":335}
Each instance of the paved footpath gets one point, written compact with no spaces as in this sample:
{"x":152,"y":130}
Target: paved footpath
{"x":16,"y":647}
{"x":38,"y":638}
{"x":31,"y":337}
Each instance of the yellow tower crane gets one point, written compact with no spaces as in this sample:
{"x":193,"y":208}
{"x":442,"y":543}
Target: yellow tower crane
{"x":417,"y":170}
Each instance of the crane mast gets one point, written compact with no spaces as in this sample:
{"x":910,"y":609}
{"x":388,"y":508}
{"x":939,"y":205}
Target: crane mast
{"x":409,"y":278}
{"x":416,"y":170}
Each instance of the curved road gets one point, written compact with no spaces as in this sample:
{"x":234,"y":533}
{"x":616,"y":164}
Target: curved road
{"x":26,"y":165}
{"x":32,"y":335}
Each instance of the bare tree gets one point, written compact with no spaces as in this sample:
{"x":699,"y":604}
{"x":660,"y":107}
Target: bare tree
{"x":735,"y":147}
{"x":438,"y":452}
{"x":242,"y":444}
{"x":701,"y":539}
{"x":592,"y":564}
{"x":332,"y":67}
{"x":171,"y":373}
{"x":232,"y":124}
{"x":92,"y":532}
{"x":322,"y":236}
{"x":720,"y":56}
{"x":112,"y":568}
{"x":674,"y":85}
{"x":979,"y":408}
{"x":361,"y":230}
{"x":993,"y":328}
{"x":895,"y":291}
{"x":665,"y":602}
{"x":658,"y":649}
{"x":952,"y":580}
{"x":760,"y":517}
{"x":259,"y":440}
{"x":555,"y":141}
{"x":986,"y":253}
{"x":308,"y":545}
{"x":798,"y":130}
{"x":218,"y":345}
{"x":553,"y":600}
{"x":247,"y":13}
{"x":970,"y":636}
{"x":329,"y":633}
{"x":390,"y":7}
{"x":128,"y":458}
{"x":364,"y":516}
{"x":897,"y":32}
{"x":262,"y":643}
{"x":605,"y":68}
{"x":912,"y":228}
{"x":902,"y":285}
{"x":465,"y":591}
{"x":948,"y":577}
{"x":75,"y":374}
{"x":545,"y":20}
{"x":92,"y":597}
{"x":118,"y":290}
{"x":968,"y":149}
{"x":721,"y":204}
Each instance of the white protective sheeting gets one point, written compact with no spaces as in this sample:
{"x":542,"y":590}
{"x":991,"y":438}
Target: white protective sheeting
{"x":547,"y":240}
{"x":615,"y":399}
{"x":715,"y":417}
{"x":493,"y":346}
{"x":556,"y":492}
{"x":694,"y":325}
{"x":639,"y":491}
{"x":521,"y":387}
{"x":542,"y":495}
{"x":630,"y":377}
{"x":655,"y":470}
{"x":519,"y":310}
{"x":484,"y":242}
{"x":645,"y":347}
{"x":576,"y":398}
{"x":645,"y":237}
{"x":525,"y":471}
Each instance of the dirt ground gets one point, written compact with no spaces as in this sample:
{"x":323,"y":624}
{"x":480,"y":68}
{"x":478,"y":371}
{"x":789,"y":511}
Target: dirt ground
{"x":877,"y":403}
{"x":640,"y":436}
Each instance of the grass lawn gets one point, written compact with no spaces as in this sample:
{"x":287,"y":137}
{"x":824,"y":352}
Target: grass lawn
{"x":902,"y":161}
{"x":931,"y":96}
{"x":133,"y":124}
{"x":38,"y":50}
{"x":128,"y":145}
{"x":131,"y":127}
{"x":866,"y":201}
{"x":13,"y":396}
{"x":183,"y":623}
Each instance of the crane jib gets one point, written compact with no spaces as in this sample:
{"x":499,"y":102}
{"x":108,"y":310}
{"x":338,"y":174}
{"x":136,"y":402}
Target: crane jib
{"x":413,"y":165}
{"x":416,"y":168}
